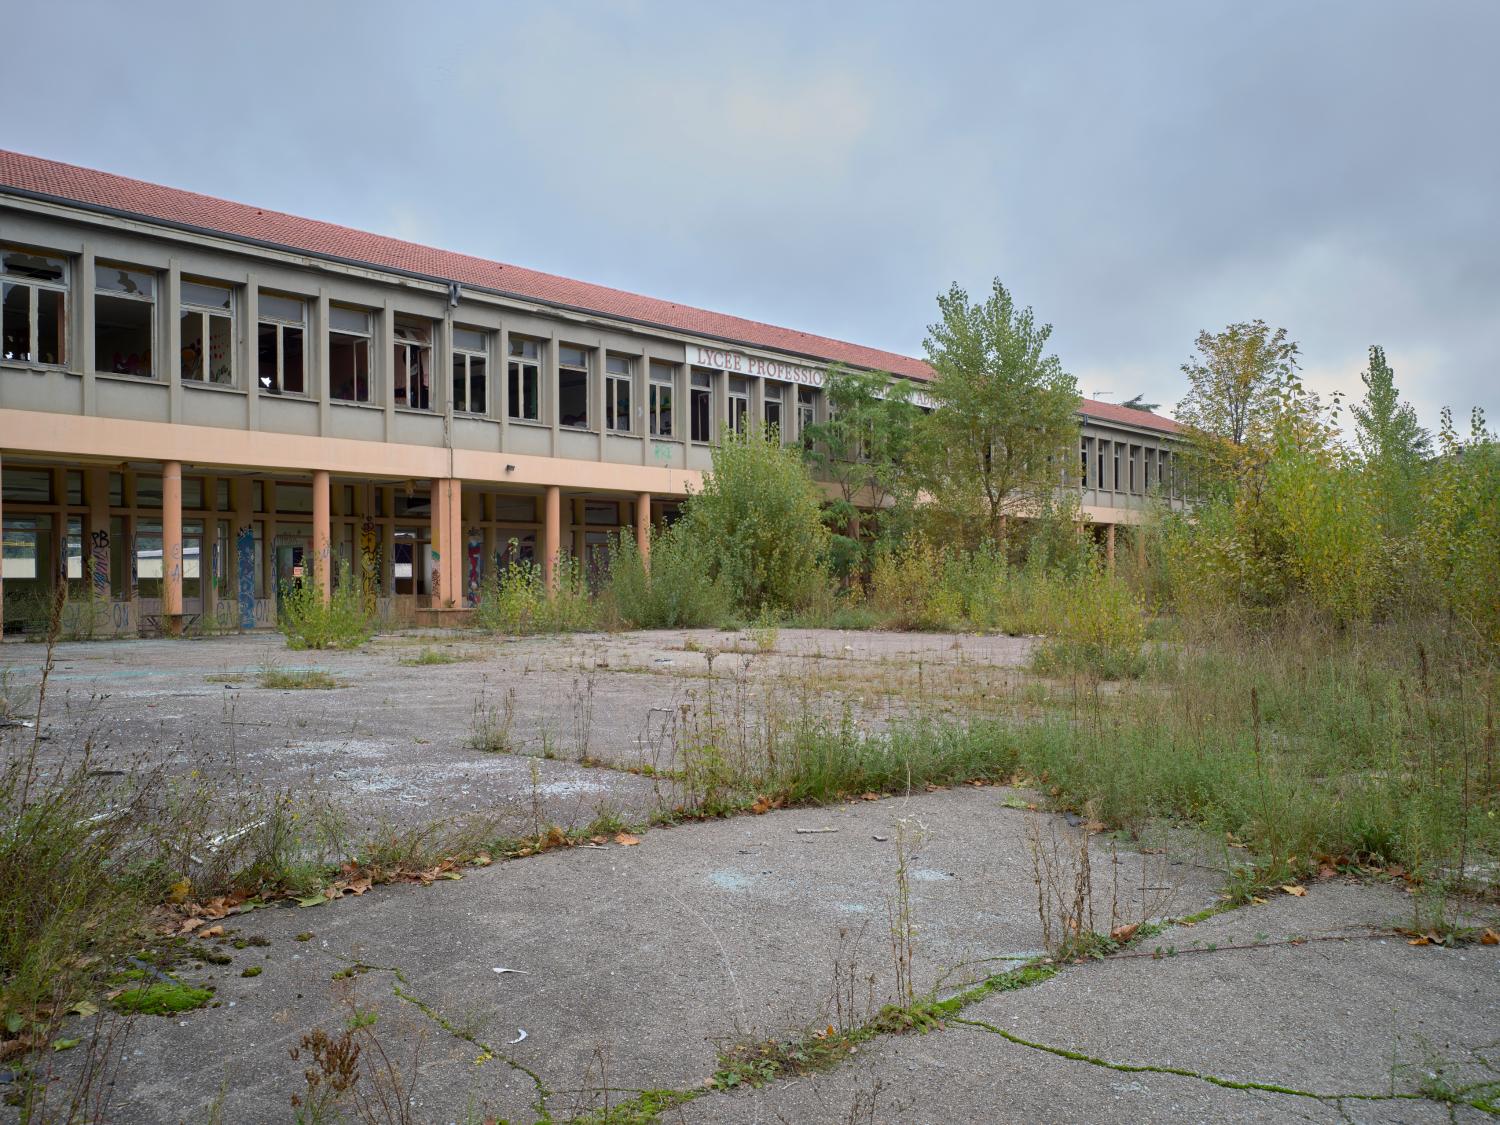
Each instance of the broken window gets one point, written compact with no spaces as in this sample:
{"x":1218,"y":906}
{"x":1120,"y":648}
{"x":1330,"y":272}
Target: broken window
{"x":207,"y":332}
{"x":280,"y":335}
{"x":774,"y":393}
{"x":411,"y":364}
{"x":739,"y":403}
{"x":807,"y":413}
{"x":348,"y":354}
{"x":525,"y":376}
{"x":700,"y":405}
{"x":124,"y":320}
{"x":33,"y":318}
{"x":470,"y":371}
{"x":617,"y":393}
{"x":573,"y":387}
{"x":663,"y":375}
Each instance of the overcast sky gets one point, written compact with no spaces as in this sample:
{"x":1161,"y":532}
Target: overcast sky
{"x":1134,"y":171}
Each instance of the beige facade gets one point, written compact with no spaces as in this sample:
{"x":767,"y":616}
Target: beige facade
{"x":188,"y":420}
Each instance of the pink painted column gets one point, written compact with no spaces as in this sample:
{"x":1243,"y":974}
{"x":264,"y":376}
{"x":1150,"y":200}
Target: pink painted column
{"x":551,"y":535}
{"x":171,"y":545}
{"x":322,"y":561}
{"x":643,"y":526}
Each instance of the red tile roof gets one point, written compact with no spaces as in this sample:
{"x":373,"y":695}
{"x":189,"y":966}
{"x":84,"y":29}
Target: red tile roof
{"x":71,"y":183}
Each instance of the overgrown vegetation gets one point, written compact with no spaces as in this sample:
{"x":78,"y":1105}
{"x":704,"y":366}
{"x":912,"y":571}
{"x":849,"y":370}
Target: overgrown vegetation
{"x":343,"y":622}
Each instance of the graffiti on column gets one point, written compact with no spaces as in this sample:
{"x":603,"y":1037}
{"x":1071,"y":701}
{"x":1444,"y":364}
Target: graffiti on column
{"x":476,"y":552}
{"x":369,"y":563}
{"x":245,"y":547}
{"x":437,"y":580}
{"x":101,"y":564}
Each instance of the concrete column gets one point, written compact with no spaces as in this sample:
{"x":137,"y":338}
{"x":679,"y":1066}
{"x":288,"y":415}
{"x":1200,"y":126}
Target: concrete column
{"x":600,"y":373}
{"x":388,"y":541}
{"x":438,"y":589}
{"x":643,"y":526}
{"x":242,"y":551}
{"x":96,"y":553}
{"x":447,"y":583}
{"x":1109,"y":547}
{"x":322,"y":546}
{"x":83,"y":303}
{"x":171,"y":369}
{"x":551,"y":534}
{"x":171,"y":545}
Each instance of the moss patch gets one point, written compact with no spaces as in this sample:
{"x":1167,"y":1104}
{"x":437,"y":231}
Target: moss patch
{"x":164,"y":998}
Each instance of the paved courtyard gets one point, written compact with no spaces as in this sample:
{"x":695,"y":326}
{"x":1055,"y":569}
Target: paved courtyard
{"x":632,"y":966}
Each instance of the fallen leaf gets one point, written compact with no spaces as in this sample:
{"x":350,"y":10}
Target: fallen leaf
{"x":1293,"y":889}
{"x":869,"y":797}
{"x":761,"y":806}
{"x":212,"y":931}
{"x":65,"y":1044}
{"x":481,"y":860}
{"x":1093,"y":826}
{"x":313,"y":900}
{"x":1124,"y":933}
{"x":1423,"y":940}
{"x":1327,"y":872}
{"x":1489,"y":937}
{"x":626,"y":840}
{"x":85,"y":1008}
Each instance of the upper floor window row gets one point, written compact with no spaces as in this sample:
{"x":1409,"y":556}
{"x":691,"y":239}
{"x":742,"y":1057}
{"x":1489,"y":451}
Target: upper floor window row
{"x":33,"y":313}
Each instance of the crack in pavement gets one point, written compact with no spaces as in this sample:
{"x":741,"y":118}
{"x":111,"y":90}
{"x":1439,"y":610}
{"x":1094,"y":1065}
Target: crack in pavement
{"x":399,"y":990}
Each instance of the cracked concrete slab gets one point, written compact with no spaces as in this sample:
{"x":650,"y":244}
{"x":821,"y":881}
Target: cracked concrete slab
{"x":638,"y":961}
{"x":1361,"y":1014}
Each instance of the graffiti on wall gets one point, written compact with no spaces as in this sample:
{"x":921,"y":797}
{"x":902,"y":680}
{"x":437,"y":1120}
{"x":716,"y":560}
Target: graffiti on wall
{"x":476,"y":554}
{"x":245,"y":548}
{"x":369,"y":563}
{"x":100,"y":554}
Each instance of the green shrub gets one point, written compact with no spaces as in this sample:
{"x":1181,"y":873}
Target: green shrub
{"x":1102,"y":632}
{"x":514,"y":601}
{"x":675,"y":592}
{"x":757,"y":526}
{"x":344,"y":622}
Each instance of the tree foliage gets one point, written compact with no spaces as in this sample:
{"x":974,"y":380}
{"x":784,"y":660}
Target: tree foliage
{"x":1005,"y":424}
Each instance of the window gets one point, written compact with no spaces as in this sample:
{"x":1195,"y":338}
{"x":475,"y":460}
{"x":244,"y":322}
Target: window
{"x":1100,"y":479}
{"x":774,"y":395}
{"x":348,"y":354}
{"x":1083,"y":454}
{"x":207,"y":332}
{"x":525,"y":378}
{"x":739,"y":403}
{"x":572,"y":387}
{"x":662,"y":377}
{"x":33,"y":316}
{"x":279,"y":337}
{"x":1115,"y":446}
{"x":617,"y":393}
{"x":1135,"y":457}
{"x":411,"y":363}
{"x":471,"y":381}
{"x":700,"y":405}
{"x":124,"y":320}
{"x":807,"y":413}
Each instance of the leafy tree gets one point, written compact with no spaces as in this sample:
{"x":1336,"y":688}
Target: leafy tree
{"x":1005,"y":424}
{"x":757,"y":525}
{"x":1385,"y":427}
{"x":1234,"y":381}
{"x":865,"y":450}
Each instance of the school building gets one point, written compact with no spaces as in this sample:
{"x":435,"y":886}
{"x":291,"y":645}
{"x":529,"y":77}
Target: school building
{"x":199,"y":398}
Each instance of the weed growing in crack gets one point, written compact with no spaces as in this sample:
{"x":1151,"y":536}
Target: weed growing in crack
{"x":910,"y":835}
{"x":490,"y":728}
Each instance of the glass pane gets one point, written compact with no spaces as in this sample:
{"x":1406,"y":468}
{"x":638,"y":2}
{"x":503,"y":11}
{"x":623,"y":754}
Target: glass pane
{"x":147,"y":491}
{"x":661,"y":372}
{"x":702,"y":379}
{"x":348,"y":367}
{"x":220,"y":350}
{"x":348,"y":320}
{"x":265,"y":348}
{"x":16,"y":315}
{"x":531,"y":407}
{"x":468,"y":339}
{"x":29,"y":264}
{"x":27,"y":486}
{"x":478,"y":385}
{"x":206,"y":295}
{"x":617,"y":364}
{"x":282,"y":308}
{"x":526,"y":349}
{"x":739,"y":385}
{"x":18,"y":557}
{"x":117,"y":279}
{"x":460,"y":382}
{"x":122,"y":335}
{"x":571,"y":357}
{"x":291,"y":361}
{"x":192,"y":345}
{"x":572,"y":398}
{"x":51,"y":326}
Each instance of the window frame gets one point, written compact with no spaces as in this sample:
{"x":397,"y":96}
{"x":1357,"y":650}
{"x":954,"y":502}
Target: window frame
{"x":521,"y":369}
{"x":368,"y":339}
{"x":34,"y":287}
{"x":123,"y":295}
{"x":280,"y":324}
{"x":661,"y":376}
{"x":737,"y":404}
{"x":404,"y":351}
{"x":187,"y":308}
{"x":768,"y":401}
{"x":616,"y":381}
{"x":572,"y":371}
{"x":467,"y":355}
{"x":701,"y":389}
